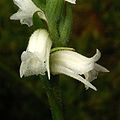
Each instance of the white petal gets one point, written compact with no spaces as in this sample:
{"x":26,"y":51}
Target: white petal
{"x":23,"y":17}
{"x":70,"y":59}
{"x":26,"y":5}
{"x":31,"y":65}
{"x":26,"y":10}
{"x":41,"y":43}
{"x":18,"y":3}
{"x":38,"y":42}
{"x":49,"y":44}
{"x":97,"y":56}
{"x":35,"y":60}
{"x":19,"y":15}
{"x":58,"y":69}
{"x":71,"y":1}
{"x":90,"y":76}
{"x":100,"y":68}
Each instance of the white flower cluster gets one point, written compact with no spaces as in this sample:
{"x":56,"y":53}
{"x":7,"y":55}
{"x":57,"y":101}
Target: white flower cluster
{"x":35,"y":60}
{"x":39,"y":58}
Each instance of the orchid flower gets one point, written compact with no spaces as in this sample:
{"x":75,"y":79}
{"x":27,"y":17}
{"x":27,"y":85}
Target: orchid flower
{"x":26,"y":10}
{"x":35,"y":60}
{"x":75,"y":65}
{"x":71,"y":1}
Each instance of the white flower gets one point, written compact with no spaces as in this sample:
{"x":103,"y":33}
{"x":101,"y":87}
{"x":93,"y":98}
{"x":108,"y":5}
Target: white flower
{"x":75,"y":65}
{"x":26,"y":10}
{"x":92,"y":75}
{"x":71,"y":1}
{"x":35,"y":60}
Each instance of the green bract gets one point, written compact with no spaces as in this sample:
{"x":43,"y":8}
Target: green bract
{"x":53,"y":14}
{"x":65,"y":25}
{"x":40,"y":3}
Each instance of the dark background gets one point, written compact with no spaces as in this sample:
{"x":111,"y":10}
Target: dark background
{"x":96,"y":24}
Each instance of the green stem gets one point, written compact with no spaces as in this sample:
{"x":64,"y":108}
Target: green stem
{"x":65,"y":26}
{"x":54,"y":99}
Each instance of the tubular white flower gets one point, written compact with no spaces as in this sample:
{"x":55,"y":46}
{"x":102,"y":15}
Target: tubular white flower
{"x":26,"y":10}
{"x":71,"y":1}
{"x":74,"y":65}
{"x":35,"y":60}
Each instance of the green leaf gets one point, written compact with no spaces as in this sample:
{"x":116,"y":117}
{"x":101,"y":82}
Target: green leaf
{"x":53,"y":14}
{"x":53,"y":9}
{"x":40,"y":3}
{"x":66,"y":25}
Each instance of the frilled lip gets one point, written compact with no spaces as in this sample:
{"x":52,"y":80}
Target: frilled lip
{"x":31,"y":64}
{"x":35,"y":60}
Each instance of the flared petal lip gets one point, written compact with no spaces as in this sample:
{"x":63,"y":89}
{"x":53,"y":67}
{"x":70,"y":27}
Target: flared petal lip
{"x":100,"y":68}
{"x":58,"y":69}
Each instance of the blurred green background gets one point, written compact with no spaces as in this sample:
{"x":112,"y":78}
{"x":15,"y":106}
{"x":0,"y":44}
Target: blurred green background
{"x":96,"y":24}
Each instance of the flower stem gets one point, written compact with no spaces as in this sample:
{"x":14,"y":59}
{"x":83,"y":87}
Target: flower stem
{"x":54,"y":97}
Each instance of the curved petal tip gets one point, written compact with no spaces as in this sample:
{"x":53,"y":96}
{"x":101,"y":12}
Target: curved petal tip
{"x":97,"y":56}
